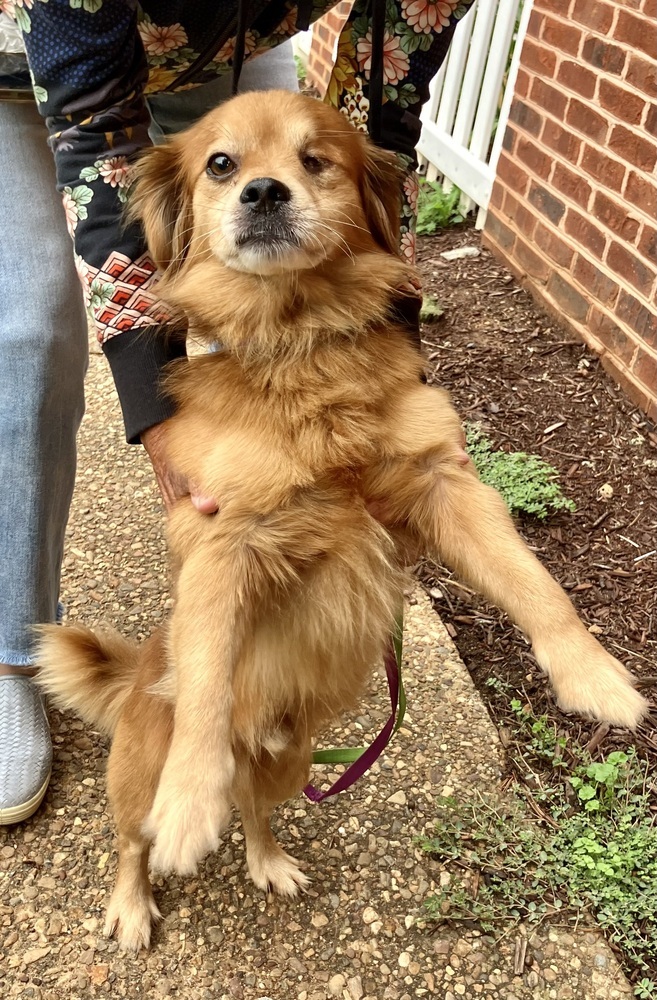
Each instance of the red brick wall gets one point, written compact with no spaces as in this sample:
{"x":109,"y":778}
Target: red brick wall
{"x":574,"y":206}
{"x":325,"y":34}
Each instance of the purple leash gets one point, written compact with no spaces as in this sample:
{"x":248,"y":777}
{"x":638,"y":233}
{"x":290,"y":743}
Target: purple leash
{"x":362,"y":759}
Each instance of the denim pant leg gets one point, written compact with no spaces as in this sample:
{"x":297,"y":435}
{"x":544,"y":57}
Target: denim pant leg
{"x":43,"y":357}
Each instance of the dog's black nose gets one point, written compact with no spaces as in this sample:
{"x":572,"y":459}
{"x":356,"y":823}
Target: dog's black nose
{"x":264,"y":194}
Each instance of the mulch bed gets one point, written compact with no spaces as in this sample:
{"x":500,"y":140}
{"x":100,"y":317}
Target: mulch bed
{"x":533,"y":388}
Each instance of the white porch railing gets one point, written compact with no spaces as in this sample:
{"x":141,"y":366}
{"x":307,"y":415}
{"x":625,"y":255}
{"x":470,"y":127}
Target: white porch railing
{"x":464,"y":120}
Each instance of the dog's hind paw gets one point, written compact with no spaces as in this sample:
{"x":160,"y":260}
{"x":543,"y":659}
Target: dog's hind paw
{"x":130,"y":919}
{"x":277,"y":872}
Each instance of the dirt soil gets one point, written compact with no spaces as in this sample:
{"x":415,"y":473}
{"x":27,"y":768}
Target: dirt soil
{"x":533,"y":388}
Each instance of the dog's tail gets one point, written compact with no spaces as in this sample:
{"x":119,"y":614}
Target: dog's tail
{"x":90,"y":673}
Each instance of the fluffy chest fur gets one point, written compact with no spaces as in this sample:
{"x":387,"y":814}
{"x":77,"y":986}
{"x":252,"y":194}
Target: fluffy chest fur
{"x":255,"y":434}
{"x":284,"y":450}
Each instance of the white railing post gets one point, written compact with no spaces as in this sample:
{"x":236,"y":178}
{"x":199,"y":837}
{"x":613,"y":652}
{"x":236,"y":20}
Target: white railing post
{"x":509,"y":89}
{"x":460,"y":141}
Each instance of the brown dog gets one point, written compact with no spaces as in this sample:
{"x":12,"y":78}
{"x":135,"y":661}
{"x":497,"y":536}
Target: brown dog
{"x":275,"y":226}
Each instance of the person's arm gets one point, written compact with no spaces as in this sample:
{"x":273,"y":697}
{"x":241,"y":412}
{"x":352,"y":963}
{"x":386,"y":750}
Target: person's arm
{"x":89,"y":72}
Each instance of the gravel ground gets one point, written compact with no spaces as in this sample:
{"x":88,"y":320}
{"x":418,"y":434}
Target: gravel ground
{"x":358,"y":934}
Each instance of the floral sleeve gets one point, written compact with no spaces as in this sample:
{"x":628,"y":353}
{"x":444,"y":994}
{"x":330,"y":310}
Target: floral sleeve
{"x":89,"y":72}
{"x":416,"y":40}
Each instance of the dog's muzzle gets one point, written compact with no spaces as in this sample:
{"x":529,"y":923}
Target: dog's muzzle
{"x":267,"y":216}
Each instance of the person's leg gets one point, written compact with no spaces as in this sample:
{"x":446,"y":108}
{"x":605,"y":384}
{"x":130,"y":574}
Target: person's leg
{"x":43,"y":354}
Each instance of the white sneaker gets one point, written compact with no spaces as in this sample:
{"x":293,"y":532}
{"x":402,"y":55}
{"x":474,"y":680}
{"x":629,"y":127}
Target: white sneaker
{"x":25,"y":748}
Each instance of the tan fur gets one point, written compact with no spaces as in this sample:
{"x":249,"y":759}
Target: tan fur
{"x":92,"y":672}
{"x":312,"y":415}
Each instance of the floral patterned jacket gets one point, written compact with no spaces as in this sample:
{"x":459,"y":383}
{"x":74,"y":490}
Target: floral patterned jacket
{"x":93,"y":62}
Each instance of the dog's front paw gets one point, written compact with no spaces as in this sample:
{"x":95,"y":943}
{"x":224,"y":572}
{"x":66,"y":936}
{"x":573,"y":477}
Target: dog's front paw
{"x":185,"y":824}
{"x":589,"y":681}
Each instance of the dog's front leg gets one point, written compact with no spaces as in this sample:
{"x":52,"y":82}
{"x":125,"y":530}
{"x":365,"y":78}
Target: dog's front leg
{"x":466,"y":524}
{"x":193,"y":801}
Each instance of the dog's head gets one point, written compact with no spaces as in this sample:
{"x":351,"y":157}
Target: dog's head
{"x":270,"y":182}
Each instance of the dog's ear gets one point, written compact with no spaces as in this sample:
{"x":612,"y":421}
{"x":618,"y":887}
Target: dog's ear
{"x":381,"y":190}
{"x":161,"y":199}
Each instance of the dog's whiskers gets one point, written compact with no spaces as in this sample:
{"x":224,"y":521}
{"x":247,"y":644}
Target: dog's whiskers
{"x":346,"y":216}
{"x":340,"y":242}
{"x":352,"y":225}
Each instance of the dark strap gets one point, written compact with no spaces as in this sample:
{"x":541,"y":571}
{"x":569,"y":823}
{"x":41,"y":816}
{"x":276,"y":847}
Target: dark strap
{"x":362,"y":759}
{"x":376,"y":70}
{"x":205,"y":56}
{"x":243,"y":14}
{"x":304,"y":13}
{"x":217,"y":41}
{"x":405,"y":310}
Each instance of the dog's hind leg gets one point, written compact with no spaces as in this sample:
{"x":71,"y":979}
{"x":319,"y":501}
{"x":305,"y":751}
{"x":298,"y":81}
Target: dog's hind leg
{"x":132,"y":910}
{"x":270,"y":867}
{"x":259,"y":787}
{"x":139,"y":749}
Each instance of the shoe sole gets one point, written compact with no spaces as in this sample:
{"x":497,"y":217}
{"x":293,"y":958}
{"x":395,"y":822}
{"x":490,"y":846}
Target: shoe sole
{"x":16,"y":814}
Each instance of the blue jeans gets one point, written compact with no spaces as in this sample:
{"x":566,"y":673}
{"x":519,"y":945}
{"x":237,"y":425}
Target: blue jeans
{"x":43,"y":357}
{"x":43,"y":349}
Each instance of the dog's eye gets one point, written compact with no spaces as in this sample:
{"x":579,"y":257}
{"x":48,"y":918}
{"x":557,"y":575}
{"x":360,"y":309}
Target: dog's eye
{"x":313,"y":164}
{"x":220,"y":165}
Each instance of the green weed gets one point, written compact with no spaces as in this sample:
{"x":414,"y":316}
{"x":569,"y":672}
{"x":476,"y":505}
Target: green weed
{"x":527,"y":484}
{"x":431,"y":310}
{"x":594,"y":856}
{"x":437,"y":209}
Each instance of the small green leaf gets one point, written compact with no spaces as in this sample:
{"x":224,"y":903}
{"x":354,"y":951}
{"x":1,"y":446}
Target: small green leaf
{"x":431,"y":310}
{"x":22,"y":19}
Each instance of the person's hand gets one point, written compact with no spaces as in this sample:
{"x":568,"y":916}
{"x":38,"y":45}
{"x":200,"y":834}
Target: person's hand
{"x":171,"y":484}
{"x":412,"y":286}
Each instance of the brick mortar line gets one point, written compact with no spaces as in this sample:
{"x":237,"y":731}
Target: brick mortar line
{"x":588,"y":337}
{"x":624,"y":370}
{"x":640,"y":344}
{"x":641,"y":134}
{"x":562,"y":87}
{"x":567,"y":56}
{"x":638,"y":130}
{"x":589,"y":30}
{"x":601,"y":350}
{"x":597,"y":262}
{"x":529,"y":101}
{"x":600,"y":78}
{"x":580,"y":287}
{"x":562,"y":197}
{"x":596,"y":185}
{"x":569,"y":21}
{"x":616,"y":196}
